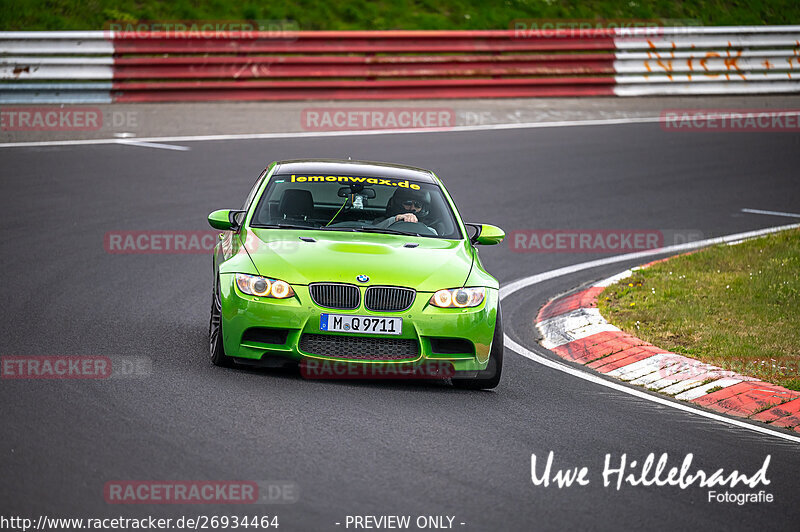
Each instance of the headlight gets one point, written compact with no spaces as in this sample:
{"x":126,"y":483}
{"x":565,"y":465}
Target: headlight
{"x":458,"y":297}
{"x":255,"y":285}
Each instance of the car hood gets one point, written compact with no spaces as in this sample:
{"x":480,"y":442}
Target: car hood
{"x":342,"y":256}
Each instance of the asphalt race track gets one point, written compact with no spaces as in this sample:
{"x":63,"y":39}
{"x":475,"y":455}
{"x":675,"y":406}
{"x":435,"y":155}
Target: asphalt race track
{"x":362,"y":448}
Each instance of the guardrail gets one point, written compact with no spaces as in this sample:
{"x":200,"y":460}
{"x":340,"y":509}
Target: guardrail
{"x":102,"y":66}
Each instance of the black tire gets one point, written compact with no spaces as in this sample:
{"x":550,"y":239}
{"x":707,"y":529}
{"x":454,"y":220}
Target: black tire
{"x":216,"y":348}
{"x":490,"y":377}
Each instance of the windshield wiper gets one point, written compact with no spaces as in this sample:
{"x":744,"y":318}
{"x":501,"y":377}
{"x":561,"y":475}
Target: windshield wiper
{"x":384,"y":231}
{"x":296,"y":226}
{"x":283,"y":226}
{"x":362,"y":229}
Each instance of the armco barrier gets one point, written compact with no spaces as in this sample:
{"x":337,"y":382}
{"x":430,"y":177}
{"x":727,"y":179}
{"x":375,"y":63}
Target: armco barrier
{"x":103,"y":66}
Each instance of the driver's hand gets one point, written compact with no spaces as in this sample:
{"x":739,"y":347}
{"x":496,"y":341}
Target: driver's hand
{"x":407,"y":217}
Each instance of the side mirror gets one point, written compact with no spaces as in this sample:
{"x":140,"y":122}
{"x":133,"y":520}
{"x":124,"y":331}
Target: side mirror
{"x":486,"y":234}
{"x":225,"y":219}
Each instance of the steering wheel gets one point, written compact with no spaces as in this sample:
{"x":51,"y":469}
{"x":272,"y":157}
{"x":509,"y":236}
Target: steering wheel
{"x":411,"y":227}
{"x":435,"y":223}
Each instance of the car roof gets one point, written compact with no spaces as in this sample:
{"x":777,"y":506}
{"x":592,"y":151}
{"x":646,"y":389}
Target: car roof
{"x":358,"y":168}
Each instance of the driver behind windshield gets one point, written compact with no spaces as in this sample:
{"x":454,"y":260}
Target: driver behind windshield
{"x":406,"y":205}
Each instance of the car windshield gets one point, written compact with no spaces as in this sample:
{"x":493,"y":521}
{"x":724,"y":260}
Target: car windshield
{"x":355,"y":203}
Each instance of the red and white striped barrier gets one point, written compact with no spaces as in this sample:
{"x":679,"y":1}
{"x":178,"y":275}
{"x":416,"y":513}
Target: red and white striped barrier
{"x":572,"y":327}
{"x":98,"y":66}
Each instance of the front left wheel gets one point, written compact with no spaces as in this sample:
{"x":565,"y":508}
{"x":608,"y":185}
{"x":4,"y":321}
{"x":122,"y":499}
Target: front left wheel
{"x":216,"y":348}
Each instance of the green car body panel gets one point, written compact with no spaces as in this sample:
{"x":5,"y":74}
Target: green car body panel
{"x":422,"y":263}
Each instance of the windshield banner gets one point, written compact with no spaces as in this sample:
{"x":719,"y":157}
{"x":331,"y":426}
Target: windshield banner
{"x":348,"y":179}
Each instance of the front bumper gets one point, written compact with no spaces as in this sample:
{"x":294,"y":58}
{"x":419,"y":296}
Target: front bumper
{"x":431,"y":327}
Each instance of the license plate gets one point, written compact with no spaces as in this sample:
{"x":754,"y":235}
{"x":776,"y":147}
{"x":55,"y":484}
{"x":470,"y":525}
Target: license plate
{"x":360,"y":324}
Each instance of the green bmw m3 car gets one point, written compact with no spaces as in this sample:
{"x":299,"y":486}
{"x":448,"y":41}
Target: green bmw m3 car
{"x":355,"y":263}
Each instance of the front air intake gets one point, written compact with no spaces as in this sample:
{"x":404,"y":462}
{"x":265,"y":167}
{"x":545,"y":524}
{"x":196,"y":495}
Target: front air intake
{"x":359,"y":347}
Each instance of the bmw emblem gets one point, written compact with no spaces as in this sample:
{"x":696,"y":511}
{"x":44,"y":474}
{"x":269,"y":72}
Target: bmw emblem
{"x":362,"y":278}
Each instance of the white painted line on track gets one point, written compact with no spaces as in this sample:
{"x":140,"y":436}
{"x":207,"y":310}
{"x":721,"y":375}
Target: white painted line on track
{"x":515,"y":286}
{"x":772,"y":213}
{"x":142,"y":144}
{"x":317,"y":134}
{"x":321,"y":134}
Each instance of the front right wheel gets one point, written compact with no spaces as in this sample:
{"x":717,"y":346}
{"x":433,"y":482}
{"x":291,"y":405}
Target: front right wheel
{"x":490,"y":377}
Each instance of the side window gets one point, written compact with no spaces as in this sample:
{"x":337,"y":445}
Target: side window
{"x":253,"y":191}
